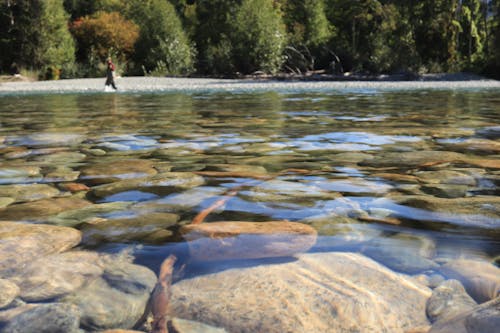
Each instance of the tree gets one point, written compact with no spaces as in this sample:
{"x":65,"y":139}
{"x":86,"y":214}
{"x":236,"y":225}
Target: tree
{"x":212,"y":36}
{"x":37,"y":35}
{"x":56,"y":47}
{"x":471,"y":37}
{"x":103,"y":35}
{"x":163,"y":47}
{"x":258,"y":37}
{"x":309,"y":33}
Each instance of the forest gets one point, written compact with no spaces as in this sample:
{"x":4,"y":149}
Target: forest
{"x":55,"y":39}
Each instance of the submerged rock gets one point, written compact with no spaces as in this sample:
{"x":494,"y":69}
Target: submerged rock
{"x":246,"y":240}
{"x":28,"y":192}
{"x":481,"y":279}
{"x":482,"y":318}
{"x":46,"y":318}
{"x":179,"y":325}
{"x":57,"y":275}
{"x":322,"y":292}
{"x":448,"y":300}
{"x":163,"y":182}
{"x":21,"y":243}
{"x":9,"y":291}
{"x":38,"y":210}
{"x":116,"y":299}
{"x":405,"y":253}
{"x":129,"y":229}
{"x":108,"y":172}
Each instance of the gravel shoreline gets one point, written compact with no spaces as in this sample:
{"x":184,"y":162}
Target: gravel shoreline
{"x":200,"y":85}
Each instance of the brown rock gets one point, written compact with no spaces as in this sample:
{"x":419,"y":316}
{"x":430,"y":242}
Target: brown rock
{"x":73,"y":187}
{"x":21,"y":243}
{"x":238,"y":240}
{"x":108,"y":172}
{"x":320,"y":293}
{"x":481,"y":279}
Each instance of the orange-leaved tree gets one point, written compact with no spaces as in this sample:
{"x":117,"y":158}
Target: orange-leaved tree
{"x":104,"y":34}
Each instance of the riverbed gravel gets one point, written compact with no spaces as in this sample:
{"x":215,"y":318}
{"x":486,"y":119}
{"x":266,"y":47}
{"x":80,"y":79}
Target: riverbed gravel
{"x":199,"y":85}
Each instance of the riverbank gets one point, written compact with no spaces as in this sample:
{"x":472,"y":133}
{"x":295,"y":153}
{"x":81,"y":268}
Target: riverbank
{"x":256,"y":84}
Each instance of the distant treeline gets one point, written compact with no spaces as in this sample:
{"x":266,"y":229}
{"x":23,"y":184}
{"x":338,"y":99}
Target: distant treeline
{"x":72,"y":38}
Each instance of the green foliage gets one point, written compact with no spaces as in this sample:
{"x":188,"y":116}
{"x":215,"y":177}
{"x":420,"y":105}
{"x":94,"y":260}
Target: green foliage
{"x":224,"y":37}
{"x":258,"y":37}
{"x":56,"y":47}
{"x":212,"y":35}
{"x":38,"y":37}
{"x":163,"y":47}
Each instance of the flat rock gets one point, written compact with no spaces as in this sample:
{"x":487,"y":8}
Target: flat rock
{"x":179,"y":325}
{"x":9,"y":291}
{"x":447,"y":300}
{"x":413,"y":159}
{"x":321,"y":292}
{"x":163,"y":182}
{"x":481,"y":279}
{"x":57,"y":275}
{"x":484,"y":318}
{"x":128,"y":229}
{"x":245,"y":240}
{"x":405,"y":253}
{"x":39,"y":209}
{"x":108,"y":172}
{"x":28,"y":192}
{"x":21,"y":243}
{"x":87,"y":214}
{"x":46,"y":318}
{"x":445,"y":177}
{"x":116,"y":299}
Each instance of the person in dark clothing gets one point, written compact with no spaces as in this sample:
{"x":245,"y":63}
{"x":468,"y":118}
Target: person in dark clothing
{"x":110,"y":74}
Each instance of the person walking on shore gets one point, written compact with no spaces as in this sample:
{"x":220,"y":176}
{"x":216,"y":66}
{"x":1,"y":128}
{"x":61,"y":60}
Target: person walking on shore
{"x":110,"y":74}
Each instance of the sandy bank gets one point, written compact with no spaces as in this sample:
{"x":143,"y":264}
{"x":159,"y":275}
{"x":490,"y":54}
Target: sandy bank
{"x":198,"y":85}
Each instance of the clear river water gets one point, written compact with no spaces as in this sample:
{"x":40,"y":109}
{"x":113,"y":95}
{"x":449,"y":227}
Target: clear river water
{"x":409,"y":178}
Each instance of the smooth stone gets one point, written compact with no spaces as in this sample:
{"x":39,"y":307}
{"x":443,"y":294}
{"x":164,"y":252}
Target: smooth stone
{"x":237,"y":168}
{"x":127,"y":229}
{"x":116,"y":299}
{"x":38,"y":210}
{"x":61,"y":174}
{"x":5,"y":201}
{"x":73,"y":187}
{"x":445,"y":177}
{"x":320,"y":292}
{"x":481,"y":279}
{"x":19,"y":171}
{"x":28,"y":192}
{"x":179,"y":325}
{"x":66,"y":158}
{"x":46,"y":318}
{"x":447,"y":191}
{"x":475,"y":145}
{"x":484,"y":318}
{"x":8,"y":292}
{"x":351,"y":157}
{"x":47,"y":139}
{"x":182,"y":201}
{"x":282,"y":190}
{"x":412,"y":159}
{"x":448,"y":300}
{"x":405,"y":253}
{"x":355,"y":186}
{"x":108,"y":172}
{"x":246,"y":240}
{"x":21,"y":243}
{"x":165,"y":182}
{"x":56,"y":275}
{"x":489,"y":206}
{"x":396,"y":177}
{"x":74,"y":217}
